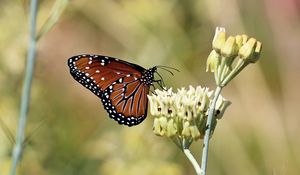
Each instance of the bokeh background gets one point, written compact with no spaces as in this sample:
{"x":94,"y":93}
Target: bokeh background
{"x":69,"y":132}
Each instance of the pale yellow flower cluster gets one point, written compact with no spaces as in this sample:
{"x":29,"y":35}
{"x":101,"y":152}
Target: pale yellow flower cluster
{"x":183,"y":115}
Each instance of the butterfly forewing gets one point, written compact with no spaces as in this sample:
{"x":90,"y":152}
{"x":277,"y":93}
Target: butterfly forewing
{"x":119,"y":85}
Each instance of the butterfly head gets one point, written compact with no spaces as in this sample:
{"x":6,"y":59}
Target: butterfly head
{"x":148,"y":75}
{"x":160,"y":81}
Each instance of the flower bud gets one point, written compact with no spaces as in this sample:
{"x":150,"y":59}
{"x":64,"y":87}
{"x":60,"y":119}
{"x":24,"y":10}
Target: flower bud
{"x":257,"y":52}
{"x":247,"y":49}
{"x":154,"y":107}
{"x":239,"y":40}
{"x":160,"y":126}
{"x":186,"y":130}
{"x":219,"y":39}
{"x":230,"y":49}
{"x":156,"y":127}
{"x":213,"y":61}
{"x":195,"y":132}
{"x":171,"y":128}
{"x":221,"y":106}
{"x":163,"y":122}
{"x":245,"y":38}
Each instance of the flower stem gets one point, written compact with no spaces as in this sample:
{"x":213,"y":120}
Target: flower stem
{"x":239,"y":67}
{"x":17,"y":152}
{"x":191,"y":158}
{"x":208,"y":130}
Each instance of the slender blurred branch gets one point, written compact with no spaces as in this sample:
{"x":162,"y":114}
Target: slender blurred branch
{"x":7,"y":132}
{"x":191,"y":158}
{"x":25,"y":99}
{"x":208,"y":130}
{"x":57,"y":9}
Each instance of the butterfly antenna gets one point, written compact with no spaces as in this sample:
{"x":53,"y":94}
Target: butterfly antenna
{"x":167,"y":70}
{"x":168,"y":67}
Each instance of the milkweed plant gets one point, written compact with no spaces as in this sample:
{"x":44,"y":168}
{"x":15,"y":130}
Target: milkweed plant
{"x":188,"y":115}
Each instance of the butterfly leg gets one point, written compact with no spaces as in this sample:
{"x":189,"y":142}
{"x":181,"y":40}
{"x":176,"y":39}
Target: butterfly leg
{"x":160,"y":83}
{"x":153,"y":92}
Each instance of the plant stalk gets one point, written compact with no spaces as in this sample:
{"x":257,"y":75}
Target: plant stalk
{"x":25,"y":99}
{"x":208,"y":130}
{"x":191,"y":158}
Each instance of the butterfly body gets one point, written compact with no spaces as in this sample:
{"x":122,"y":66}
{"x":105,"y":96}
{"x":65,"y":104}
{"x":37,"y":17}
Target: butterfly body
{"x":122,"y":86}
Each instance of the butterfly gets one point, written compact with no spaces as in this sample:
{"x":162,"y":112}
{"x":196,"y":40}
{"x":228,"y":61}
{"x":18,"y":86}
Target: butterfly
{"x":122,"y":86}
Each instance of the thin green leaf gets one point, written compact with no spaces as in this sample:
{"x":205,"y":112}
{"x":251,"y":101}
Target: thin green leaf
{"x":56,"y":11}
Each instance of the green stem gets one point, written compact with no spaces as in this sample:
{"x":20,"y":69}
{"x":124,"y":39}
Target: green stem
{"x":208,"y":129}
{"x":177,"y":141}
{"x":191,"y":158}
{"x":239,"y":67}
{"x":220,"y":69}
{"x":17,"y":152}
{"x":216,"y":76}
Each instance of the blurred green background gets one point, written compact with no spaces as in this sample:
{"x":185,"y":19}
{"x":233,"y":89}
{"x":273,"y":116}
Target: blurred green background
{"x":68,"y":130}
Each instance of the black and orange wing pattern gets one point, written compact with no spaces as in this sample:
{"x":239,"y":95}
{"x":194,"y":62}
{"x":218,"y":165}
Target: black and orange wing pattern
{"x":122,"y":86}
